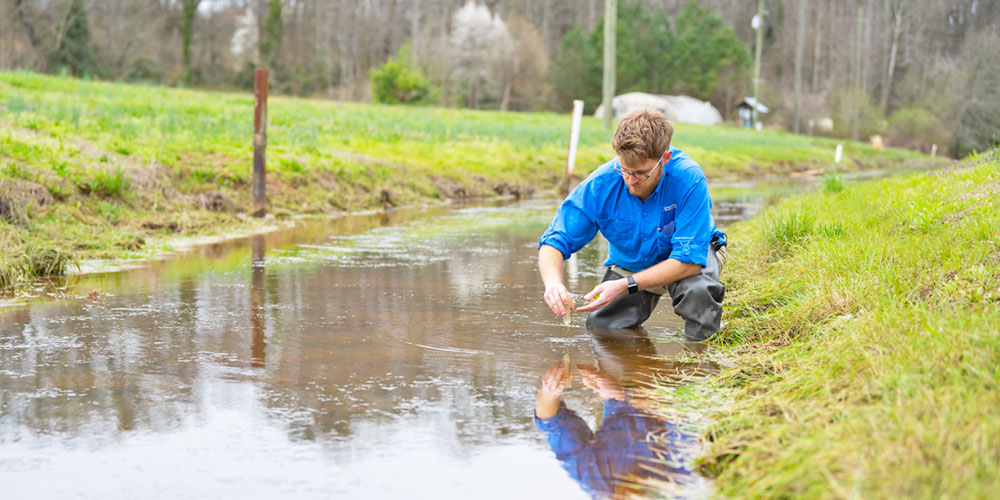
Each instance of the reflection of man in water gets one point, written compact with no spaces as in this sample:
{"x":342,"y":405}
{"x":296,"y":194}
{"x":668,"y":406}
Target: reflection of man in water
{"x":599,"y":461}
{"x":651,"y":203}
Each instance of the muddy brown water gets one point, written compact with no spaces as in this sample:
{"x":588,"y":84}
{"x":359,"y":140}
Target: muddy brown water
{"x":374,"y":356}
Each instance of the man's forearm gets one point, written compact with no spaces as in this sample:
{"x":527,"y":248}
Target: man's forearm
{"x":550,"y":265}
{"x":546,"y":405}
{"x":665,"y":273}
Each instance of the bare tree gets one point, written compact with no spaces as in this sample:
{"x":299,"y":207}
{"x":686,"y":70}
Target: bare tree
{"x":894,"y":11}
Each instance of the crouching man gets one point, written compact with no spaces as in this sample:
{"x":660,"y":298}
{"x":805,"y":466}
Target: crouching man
{"x":651,"y":203}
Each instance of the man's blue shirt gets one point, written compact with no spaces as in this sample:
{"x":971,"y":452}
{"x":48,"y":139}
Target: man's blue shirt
{"x":674,"y":222}
{"x":599,"y":461}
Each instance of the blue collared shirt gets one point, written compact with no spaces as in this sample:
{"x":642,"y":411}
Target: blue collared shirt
{"x":675,"y":222}
{"x":599,"y":460}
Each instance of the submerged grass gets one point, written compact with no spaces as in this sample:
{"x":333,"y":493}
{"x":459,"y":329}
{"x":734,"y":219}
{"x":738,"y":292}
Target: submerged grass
{"x":866,"y":325}
{"x":105,"y":170}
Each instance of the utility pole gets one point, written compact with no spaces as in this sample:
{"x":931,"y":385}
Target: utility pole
{"x":610,"y":23}
{"x":803,"y":6}
{"x":758,"y":24}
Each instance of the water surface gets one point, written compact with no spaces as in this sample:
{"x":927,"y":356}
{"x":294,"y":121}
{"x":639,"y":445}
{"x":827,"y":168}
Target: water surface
{"x":376,"y":356}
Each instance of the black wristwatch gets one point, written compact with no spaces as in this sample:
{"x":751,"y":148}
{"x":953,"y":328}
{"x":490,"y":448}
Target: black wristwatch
{"x":633,"y":287}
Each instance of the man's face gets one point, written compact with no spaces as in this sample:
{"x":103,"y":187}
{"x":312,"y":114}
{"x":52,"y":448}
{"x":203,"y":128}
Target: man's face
{"x":641,"y":180}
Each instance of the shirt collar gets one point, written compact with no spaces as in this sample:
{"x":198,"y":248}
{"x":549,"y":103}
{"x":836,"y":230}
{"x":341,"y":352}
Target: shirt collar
{"x":663,"y":176}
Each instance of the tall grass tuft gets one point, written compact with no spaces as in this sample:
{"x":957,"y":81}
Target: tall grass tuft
{"x":10,"y":271}
{"x":32,"y":263}
{"x":110,"y":183}
{"x":784,"y":230}
{"x":832,"y":182}
{"x":46,"y":262}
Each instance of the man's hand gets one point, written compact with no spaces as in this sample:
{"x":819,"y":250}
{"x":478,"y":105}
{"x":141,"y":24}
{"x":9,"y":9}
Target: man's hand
{"x":554,"y":381}
{"x":602,"y":384}
{"x":557,"y":297}
{"x":604,"y":294}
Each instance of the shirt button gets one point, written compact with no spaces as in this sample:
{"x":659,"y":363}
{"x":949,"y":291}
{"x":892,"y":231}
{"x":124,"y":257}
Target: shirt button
{"x":657,"y":229}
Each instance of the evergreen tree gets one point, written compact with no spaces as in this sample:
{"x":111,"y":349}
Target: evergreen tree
{"x":643,"y":53}
{"x":397,"y":81}
{"x":270,"y":43}
{"x":577,"y":73}
{"x":644,"y":60}
{"x":74,"y":51}
{"x":704,"y":47}
{"x":189,"y":10}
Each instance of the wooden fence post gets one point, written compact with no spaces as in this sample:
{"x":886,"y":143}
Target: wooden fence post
{"x":259,"y":141}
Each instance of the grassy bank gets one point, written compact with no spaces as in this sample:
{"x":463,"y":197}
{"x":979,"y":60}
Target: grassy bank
{"x":104,"y":170}
{"x":866,"y":327}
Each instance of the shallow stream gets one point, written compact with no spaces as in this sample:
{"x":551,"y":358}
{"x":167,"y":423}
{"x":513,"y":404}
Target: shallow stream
{"x":373,"y":356}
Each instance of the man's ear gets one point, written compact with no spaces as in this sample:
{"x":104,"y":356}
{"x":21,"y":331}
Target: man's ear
{"x":667,"y":155}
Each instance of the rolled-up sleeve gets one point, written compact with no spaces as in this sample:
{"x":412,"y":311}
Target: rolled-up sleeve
{"x":566,"y":432}
{"x":574,"y":225}
{"x":693,"y":225}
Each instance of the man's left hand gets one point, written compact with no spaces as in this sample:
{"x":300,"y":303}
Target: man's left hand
{"x":604,"y":293}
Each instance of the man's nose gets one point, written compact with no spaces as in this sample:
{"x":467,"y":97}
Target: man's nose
{"x":633,"y":180}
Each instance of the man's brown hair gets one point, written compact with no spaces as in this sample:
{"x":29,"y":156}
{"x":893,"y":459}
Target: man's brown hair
{"x":640,"y":136}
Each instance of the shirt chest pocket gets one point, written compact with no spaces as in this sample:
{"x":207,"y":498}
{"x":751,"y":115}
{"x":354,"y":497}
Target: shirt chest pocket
{"x":664,"y":232}
{"x":666,"y":227}
{"x":619,"y":232}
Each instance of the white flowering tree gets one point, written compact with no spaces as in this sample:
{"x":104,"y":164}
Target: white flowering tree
{"x":478,"y":41}
{"x":244,"y":44}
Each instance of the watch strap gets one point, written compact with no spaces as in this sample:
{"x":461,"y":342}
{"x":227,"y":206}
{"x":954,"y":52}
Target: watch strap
{"x":633,"y":287}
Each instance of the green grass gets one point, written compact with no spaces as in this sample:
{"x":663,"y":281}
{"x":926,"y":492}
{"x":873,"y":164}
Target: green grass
{"x":152,"y":151}
{"x":865,"y":324}
{"x":832,"y":182}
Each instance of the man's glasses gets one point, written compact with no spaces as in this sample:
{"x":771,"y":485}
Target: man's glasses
{"x":645,"y":175}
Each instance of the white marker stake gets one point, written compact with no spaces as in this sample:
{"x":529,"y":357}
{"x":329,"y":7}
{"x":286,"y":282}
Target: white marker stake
{"x":933,"y":150}
{"x":839,"y":154}
{"x":574,"y":136}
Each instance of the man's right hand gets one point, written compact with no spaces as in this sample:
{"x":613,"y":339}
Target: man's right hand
{"x":557,"y":296}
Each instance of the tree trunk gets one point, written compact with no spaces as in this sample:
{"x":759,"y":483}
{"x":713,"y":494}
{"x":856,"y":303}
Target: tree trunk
{"x":415,"y":33}
{"x":866,"y":68}
{"x":270,"y":45}
{"x":505,"y":101}
{"x":896,"y":30}
{"x":758,"y":46}
{"x":799,"y":47}
{"x":608,"y":93}
{"x":189,"y":9}
{"x":816,"y":52}
{"x":857,"y":73}
{"x":546,"y":31}
{"x":28,"y":27}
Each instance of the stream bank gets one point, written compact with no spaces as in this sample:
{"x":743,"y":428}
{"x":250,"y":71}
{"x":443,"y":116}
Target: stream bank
{"x":863,"y":325}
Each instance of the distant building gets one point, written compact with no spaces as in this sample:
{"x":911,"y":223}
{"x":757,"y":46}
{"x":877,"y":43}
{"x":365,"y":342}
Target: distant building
{"x":677,"y":108}
{"x":745,"y":109}
{"x":823,"y":125}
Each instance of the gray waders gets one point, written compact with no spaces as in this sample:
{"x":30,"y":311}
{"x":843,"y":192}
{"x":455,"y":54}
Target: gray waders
{"x":697,"y":299}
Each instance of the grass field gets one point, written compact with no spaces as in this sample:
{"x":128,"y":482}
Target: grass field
{"x":865,"y":324}
{"x":106,"y":170}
